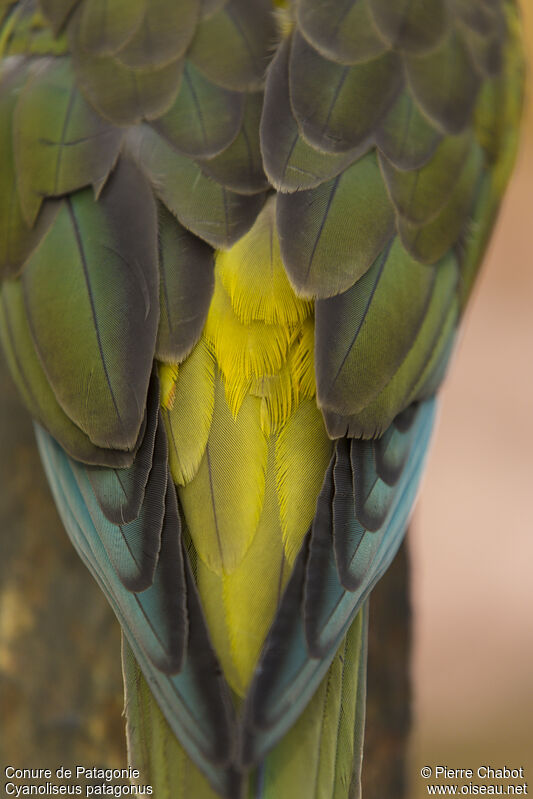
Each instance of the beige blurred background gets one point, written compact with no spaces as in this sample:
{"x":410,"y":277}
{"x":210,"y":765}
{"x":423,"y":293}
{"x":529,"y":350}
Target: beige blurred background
{"x":472,"y":541}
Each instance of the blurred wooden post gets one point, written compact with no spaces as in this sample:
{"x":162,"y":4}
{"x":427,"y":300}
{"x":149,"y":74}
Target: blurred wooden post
{"x":60,"y":680}
{"x":389,"y":689}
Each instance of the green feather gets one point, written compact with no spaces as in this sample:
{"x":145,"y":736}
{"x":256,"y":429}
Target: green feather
{"x":240,"y":167}
{"x":290,"y":162}
{"x":416,"y":26}
{"x":17,"y":237}
{"x":61,"y":144}
{"x":98,"y":354}
{"x":153,"y":748}
{"x":486,"y":51}
{"x":406,"y":136}
{"x":430,"y":242}
{"x":320,"y":757}
{"x":342,"y":32}
{"x":231,"y":47}
{"x":120,"y":493}
{"x":479,"y":15}
{"x":366,"y":332}
{"x":445,"y":83}
{"x":34,"y":388}
{"x":331,"y":235}
{"x":210,"y":7}
{"x":212,"y":212}
{"x":164,"y":34}
{"x":419,"y":195}
{"x":204,"y":119}
{"x":337,"y":107}
{"x":132,"y":95}
{"x":132,"y":539}
{"x":435,"y":369}
{"x":57,"y":11}
{"x":25,"y":32}
{"x":401,"y":389}
{"x":186,"y":286}
{"x":105,"y":27}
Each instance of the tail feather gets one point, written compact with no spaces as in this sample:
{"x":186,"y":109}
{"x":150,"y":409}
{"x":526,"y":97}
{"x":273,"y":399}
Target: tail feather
{"x":319,"y":758}
{"x":155,"y":751}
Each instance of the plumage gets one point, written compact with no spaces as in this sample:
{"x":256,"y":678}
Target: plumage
{"x":240,"y":621}
{"x":324,"y":252}
{"x":161,"y":640}
{"x":326,"y":730}
{"x":231,"y":46}
{"x":403,"y":387}
{"x":302,"y":453}
{"x":330,"y":603}
{"x":132,"y":546}
{"x":60,"y":143}
{"x":133,"y":94}
{"x":106,"y":374}
{"x":57,"y":11}
{"x":189,"y":412}
{"x":406,"y":136}
{"x":210,"y":7}
{"x":236,"y":240}
{"x":36,"y":392}
{"x":218,"y":495}
{"x":291,"y":163}
{"x":415,"y":27}
{"x":338,"y":106}
{"x":245,"y":351}
{"x":341,"y":32}
{"x":120,"y":493}
{"x":253,"y":276}
{"x":356,"y":362}
{"x":430,"y":242}
{"x":105,"y":29}
{"x":419,"y":194}
{"x":445,"y":83}
{"x":215,"y":214}
{"x":202,"y":716}
{"x":204,"y":119}
{"x":163,"y":35}
{"x":185,"y":290}
{"x":240,"y":166}
{"x":18,"y":238}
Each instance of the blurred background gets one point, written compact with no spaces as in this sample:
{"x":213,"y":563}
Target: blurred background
{"x":472,"y":537}
{"x":471,"y":545}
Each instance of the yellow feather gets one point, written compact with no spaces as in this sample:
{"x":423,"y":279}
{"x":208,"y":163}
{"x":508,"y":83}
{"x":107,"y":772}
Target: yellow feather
{"x":278,"y":397}
{"x":243,"y":351}
{"x":223,"y":502}
{"x":249,"y":493}
{"x":303,"y":451}
{"x":168,"y":374}
{"x":188,"y":417}
{"x":302,"y":360}
{"x":254,"y":277}
{"x":240,"y":606}
{"x":211,"y":588}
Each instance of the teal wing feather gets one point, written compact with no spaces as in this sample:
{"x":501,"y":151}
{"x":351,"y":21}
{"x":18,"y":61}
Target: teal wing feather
{"x":163,"y":623}
{"x":336,"y":570}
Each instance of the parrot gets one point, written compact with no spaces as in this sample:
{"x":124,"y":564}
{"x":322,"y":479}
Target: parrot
{"x":237,"y":238}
